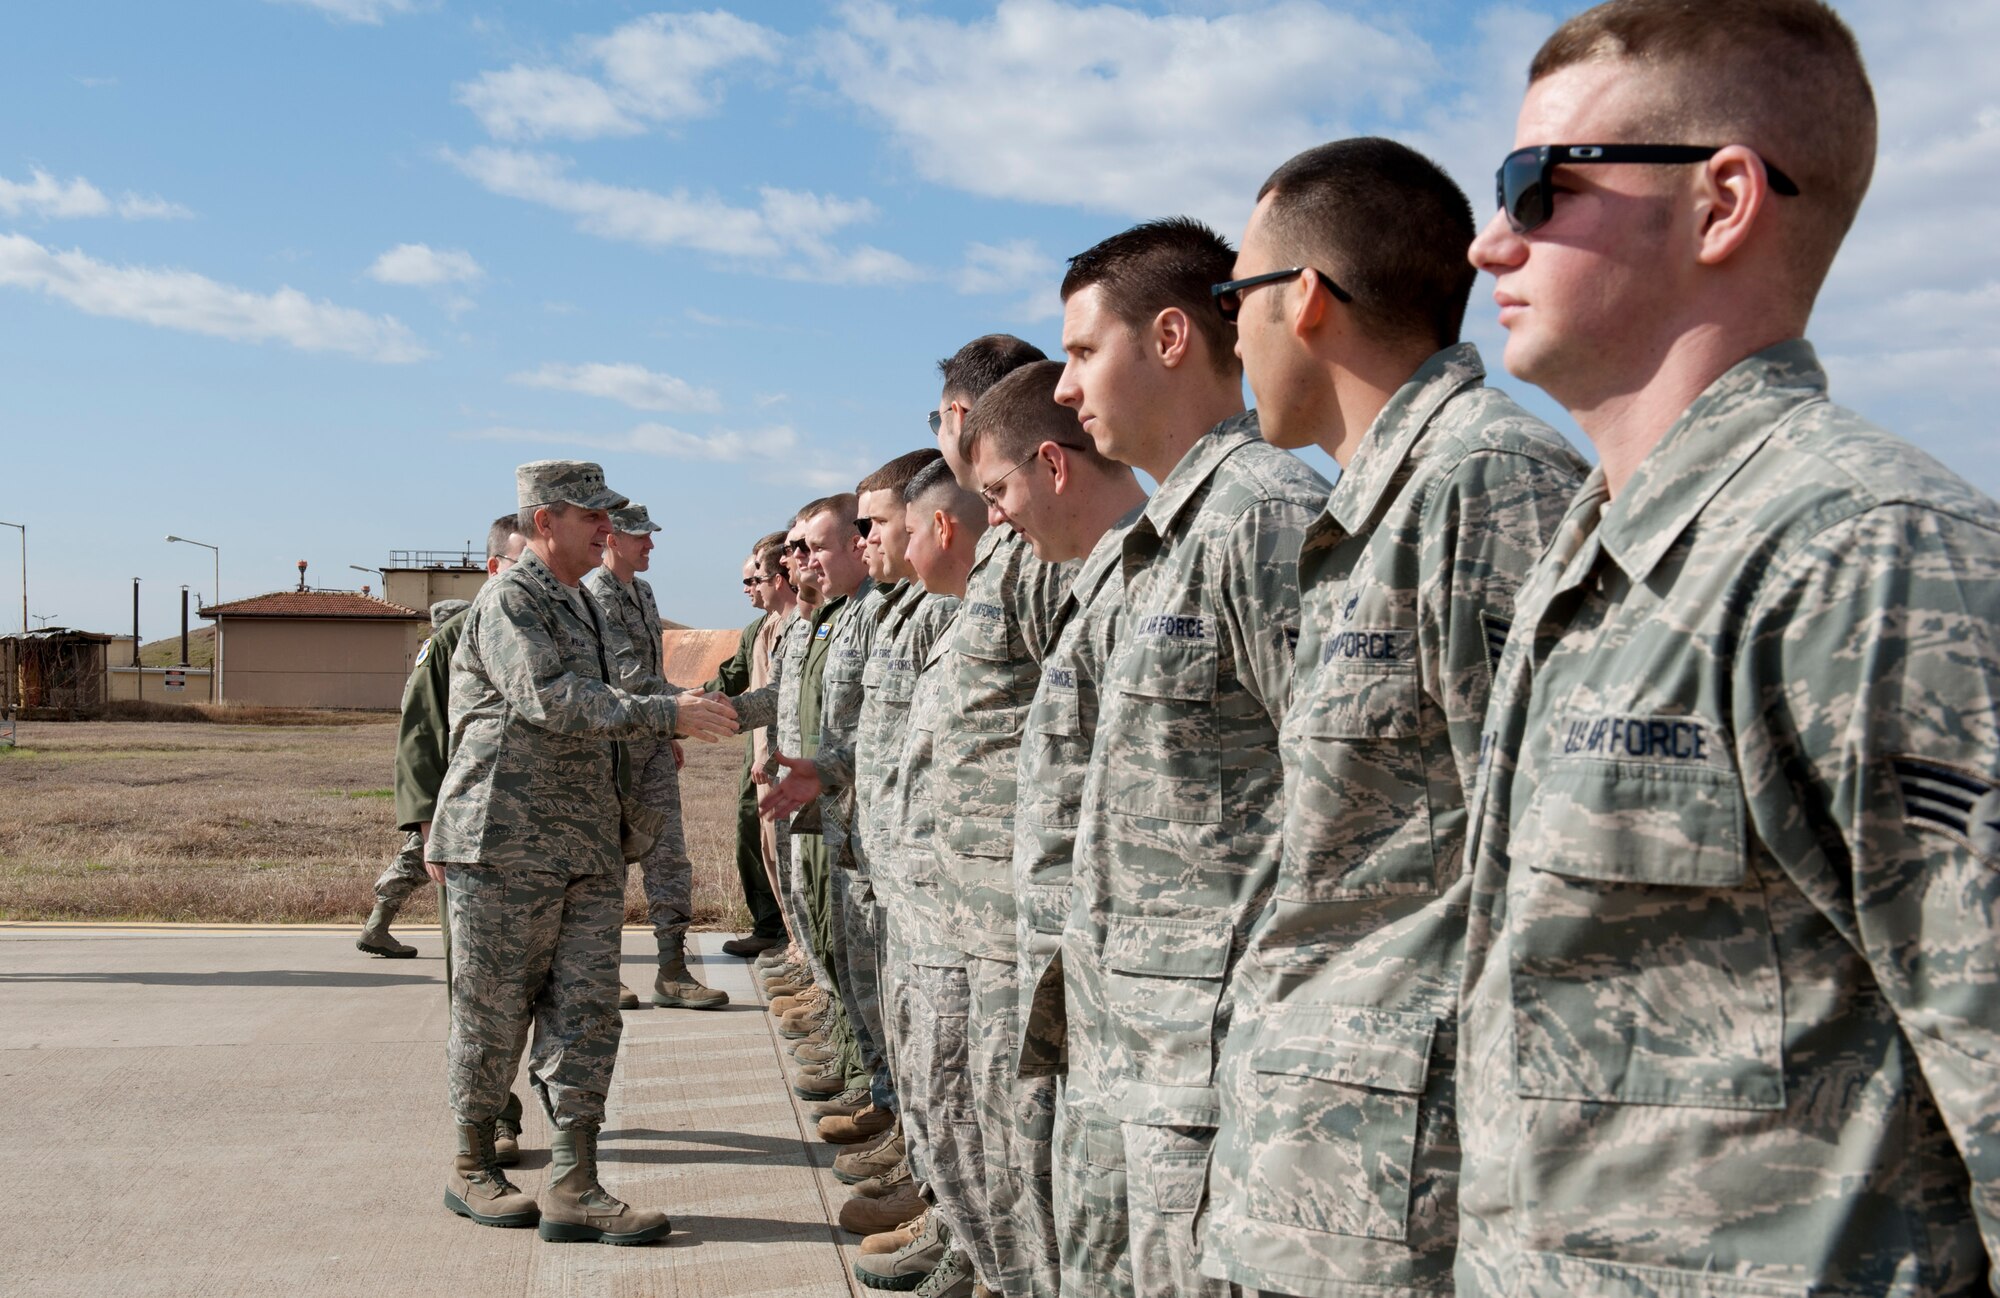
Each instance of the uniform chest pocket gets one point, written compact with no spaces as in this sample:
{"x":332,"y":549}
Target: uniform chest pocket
{"x":1333,"y":1131}
{"x":1643,"y":965}
{"x":1166,"y":761}
{"x":1165,"y":977}
{"x":1359,"y":823}
{"x":1054,"y":749}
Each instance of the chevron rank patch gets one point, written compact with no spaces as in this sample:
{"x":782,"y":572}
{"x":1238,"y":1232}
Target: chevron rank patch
{"x":1496,"y":629}
{"x":1956,"y":801}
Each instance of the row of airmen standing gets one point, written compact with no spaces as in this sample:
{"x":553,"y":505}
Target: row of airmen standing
{"x":1483,"y":874}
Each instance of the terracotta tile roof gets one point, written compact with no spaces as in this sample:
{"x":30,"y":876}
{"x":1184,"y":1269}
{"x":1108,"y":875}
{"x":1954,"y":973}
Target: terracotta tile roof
{"x":313,"y":603}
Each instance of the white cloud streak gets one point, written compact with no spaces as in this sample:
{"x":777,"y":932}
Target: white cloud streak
{"x":368,"y":12}
{"x":777,"y":450}
{"x":41,"y":194}
{"x":192,"y":303}
{"x":786,"y":234}
{"x":657,"y":69}
{"x":630,"y":384}
{"x":419,"y":265}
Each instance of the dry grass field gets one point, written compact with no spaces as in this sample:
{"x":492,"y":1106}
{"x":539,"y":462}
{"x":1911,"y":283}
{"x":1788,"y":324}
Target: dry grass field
{"x":271,"y":823}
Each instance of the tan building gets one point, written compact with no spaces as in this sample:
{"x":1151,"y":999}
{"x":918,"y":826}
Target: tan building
{"x":420,"y":578}
{"x":316,"y":649}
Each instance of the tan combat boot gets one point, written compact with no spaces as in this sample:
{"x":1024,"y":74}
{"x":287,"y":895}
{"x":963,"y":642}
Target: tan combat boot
{"x":836,"y":1129}
{"x":907,"y":1265}
{"x":889,"y":1241}
{"x":627,"y":998}
{"x":810,"y":998}
{"x":677,"y":988}
{"x":576,"y":1209}
{"x":857,"y":1165}
{"x":871,"y":1216}
{"x":507,"y":1133}
{"x":478,"y":1189}
{"x":375,"y":939}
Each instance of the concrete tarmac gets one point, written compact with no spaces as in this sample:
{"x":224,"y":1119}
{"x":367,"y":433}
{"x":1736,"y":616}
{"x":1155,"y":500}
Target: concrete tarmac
{"x":261,"y":1112}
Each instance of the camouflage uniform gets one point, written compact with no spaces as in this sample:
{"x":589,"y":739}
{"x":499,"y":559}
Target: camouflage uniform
{"x":850,"y":667}
{"x":422,"y":753}
{"x":1055,"y":756}
{"x":886,"y":763}
{"x":929,"y":1018}
{"x":1335,"y":1170}
{"x":1730,"y":1016}
{"x":638,"y":654}
{"x":753,"y":869}
{"x":1177,"y":843}
{"x":1006,"y":624}
{"x":774,"y":710}
{"x":529,"y":820}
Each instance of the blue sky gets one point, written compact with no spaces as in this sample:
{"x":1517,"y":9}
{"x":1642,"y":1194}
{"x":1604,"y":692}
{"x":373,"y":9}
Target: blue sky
{"x":306,"y":278}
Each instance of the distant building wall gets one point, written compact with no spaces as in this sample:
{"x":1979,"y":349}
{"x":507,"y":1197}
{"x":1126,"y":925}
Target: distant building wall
{"x":318,"y":663}
{"x":419,"y":588}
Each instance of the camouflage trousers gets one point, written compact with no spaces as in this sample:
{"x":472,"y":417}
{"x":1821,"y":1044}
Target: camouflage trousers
{"x":792,"y":902}
{"x":1128,"y":1204}
{"x":540,"y":950}
{"x":900,"y":1023}
{"x":1016,"y":1117}
{"x":939,"y":1113}
{"x":665,"y":870}
{"x":857,"y":957}
{"x":405,"y":874}
{"x":824,"y":940}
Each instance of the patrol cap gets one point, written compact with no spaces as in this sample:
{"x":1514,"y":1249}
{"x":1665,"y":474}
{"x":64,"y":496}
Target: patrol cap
{"x":445,"y":609}
{"x":633,"y":520}
{"x":575,"y":482}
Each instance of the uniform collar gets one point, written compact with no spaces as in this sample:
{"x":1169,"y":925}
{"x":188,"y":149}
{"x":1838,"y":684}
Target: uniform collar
{"x":1364,"y":487}
{"x":531,"y":568}
{"x":1713,"y":438}
{"x":1186,"y":479}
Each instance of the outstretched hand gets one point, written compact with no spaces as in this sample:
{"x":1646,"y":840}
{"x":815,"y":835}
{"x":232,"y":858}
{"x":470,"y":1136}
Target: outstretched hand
{"x":707,"y":717}
{"x":799,"y":787}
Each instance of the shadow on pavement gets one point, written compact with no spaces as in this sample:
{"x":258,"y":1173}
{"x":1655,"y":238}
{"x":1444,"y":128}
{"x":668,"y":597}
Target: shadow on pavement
{"x":725,"y":1147}
{"x":231,"y":978}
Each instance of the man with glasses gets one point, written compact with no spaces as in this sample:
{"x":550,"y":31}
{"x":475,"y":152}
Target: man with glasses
{"x":1177,"y":839}
{"x":1041,"y":478}
{"x":1729,"y":1017}
{"x":731,"y":679}
{"x":1333,"y":1172}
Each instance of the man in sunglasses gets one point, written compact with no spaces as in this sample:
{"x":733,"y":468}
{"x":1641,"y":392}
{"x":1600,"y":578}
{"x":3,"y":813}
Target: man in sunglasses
{"x":1731,"y":1012}
{"x":1041,"y":477}
{"x":1177,"y":841}
{"x":1334,"y":1172}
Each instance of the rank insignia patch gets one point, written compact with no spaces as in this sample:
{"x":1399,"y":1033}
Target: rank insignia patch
{"x":1962,"y":804}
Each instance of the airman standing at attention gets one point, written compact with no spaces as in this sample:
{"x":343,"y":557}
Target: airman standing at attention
{"x":1177,"y":841}
{"x":528,"y":837}
{"x":1335,"y":1171}
{"x":638,"y":652}
{"x":739,"y":674}
{"x":1040,"y":476}
{"x":1731,"y":1011}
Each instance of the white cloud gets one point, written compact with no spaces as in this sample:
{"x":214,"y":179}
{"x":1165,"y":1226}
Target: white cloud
{"x":1116,"y":110}
{"x":777,"y":451}
{"x":420,"y":266}
{"x":656,"y":69}
{"x":371,"y":12}
{"x":634,"y":385}
{"x":45,"y":196}
{"x":785,"y":234}
{"x":179,"y":299}
{"x":1017,"y":266}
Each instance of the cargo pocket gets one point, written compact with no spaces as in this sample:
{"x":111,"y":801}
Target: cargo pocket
{"x":1643,"y":966}
{"x":1165,"y":980}
{"x":1167,"y":761}
{"x":1363,"y":795}
{"x":1336,"y":1097}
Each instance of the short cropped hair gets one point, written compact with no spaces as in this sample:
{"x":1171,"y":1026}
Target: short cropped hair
{"x":1019,"y":413}
{"x":505,"y":528}
{"x":1784,"y":77}
{"x":524,"y":522}
{"x":1390,"y":228}
{"x":766,"y":551}
{"x":896,"y":474}
{"x":984,"y":361}
{"x":1159,"y":264}
{"x":844,"y":504}
{"x":935,"y":488}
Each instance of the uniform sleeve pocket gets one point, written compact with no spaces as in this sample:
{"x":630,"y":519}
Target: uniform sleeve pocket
{"x":1169,"y":972}
{"x":1643,"y":963}
{"x":1336,"y":1097}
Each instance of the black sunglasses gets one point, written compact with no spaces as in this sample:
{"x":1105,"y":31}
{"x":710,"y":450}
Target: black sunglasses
{"x":862,"y":525}
{"x":748,"y":582}
{"x":797,"y":547}
{"x":1228,"y":295}
{"x":1523,"y":183}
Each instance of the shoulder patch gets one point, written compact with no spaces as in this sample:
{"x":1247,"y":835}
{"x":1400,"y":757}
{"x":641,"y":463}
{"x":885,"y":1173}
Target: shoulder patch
{"x":422,"y":653}
{"x":1953,"y":800}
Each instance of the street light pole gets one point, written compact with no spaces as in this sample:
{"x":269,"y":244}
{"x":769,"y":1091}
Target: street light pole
{"x":23,"y":529}
{"x":215,"y":668}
